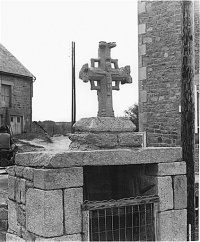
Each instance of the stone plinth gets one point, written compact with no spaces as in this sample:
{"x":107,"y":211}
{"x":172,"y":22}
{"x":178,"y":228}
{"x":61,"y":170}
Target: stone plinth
{"x":46,"y":191}
{"x":66,"y":159}
{"x":105,"y":133}
{"x":104,"y":124}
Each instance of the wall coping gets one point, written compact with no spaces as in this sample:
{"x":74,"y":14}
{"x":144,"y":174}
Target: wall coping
{"x":46,"y":159}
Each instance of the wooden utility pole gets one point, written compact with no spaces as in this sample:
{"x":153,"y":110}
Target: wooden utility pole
{"x":187,"y":111}
{"x":73,"y":119}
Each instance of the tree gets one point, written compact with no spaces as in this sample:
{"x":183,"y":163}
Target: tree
{"x":132,"y":114}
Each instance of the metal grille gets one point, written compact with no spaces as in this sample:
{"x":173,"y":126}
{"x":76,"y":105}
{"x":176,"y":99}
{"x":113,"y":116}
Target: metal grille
{"x":121,"y":220}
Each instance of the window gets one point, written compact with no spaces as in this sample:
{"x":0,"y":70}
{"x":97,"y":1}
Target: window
{"x":6,"y":95}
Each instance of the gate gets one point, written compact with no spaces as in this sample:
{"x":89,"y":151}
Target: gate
{"x":129,"y":219}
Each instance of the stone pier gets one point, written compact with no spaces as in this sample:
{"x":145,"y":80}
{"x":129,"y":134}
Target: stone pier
{"x":46,"y":191}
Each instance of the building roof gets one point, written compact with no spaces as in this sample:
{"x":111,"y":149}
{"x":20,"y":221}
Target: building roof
{"x":10,"y":65}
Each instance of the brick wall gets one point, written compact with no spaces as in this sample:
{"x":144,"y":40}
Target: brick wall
{"x":160,"y":70}
{"x":21,"y":98}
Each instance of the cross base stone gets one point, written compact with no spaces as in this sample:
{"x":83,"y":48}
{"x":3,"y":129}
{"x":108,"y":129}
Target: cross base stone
{"x":104,"y":124}
{"x":105,"y":133}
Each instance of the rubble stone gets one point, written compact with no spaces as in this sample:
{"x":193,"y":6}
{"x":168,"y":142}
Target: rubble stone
{"x":28,"y":173}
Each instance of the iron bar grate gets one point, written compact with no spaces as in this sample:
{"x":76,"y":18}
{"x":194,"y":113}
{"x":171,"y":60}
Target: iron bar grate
{"x":131,"y":220}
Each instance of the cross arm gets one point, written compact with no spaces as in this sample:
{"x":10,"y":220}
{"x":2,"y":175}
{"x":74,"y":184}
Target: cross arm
{"x":121,"y":75}
{"x":88,"y":74}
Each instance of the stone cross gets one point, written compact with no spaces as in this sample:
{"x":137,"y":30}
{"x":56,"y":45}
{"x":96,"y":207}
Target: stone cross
{"x":102,"y":77}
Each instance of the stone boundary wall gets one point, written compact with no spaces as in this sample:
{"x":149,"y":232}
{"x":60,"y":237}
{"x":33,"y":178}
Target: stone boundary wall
{"x":172,"y":191}
{"x":44,"y":203}
{"x":3,"y":214}
{"x":46,"y":191}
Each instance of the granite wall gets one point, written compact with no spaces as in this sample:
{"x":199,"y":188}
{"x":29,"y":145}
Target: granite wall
{"x":46,"y":191}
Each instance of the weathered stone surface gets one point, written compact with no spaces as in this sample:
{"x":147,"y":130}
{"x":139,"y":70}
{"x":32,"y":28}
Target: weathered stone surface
{"x":11,"y":170}
{"x":13,"y":238}
{"x":102,"y":140}
{"x":142,"y":73}
{"x":173,"y":225}
{"x":3,"y":198}
{"x":130,"y":139}
{"x":142,"y":28}
{"x":19,"y":171}
{"x":100,"y":157}
{"x":12,"y":217}
{"x":162,"y":35}
{"x":166,"y":169}
{"x":29,"y":184}
{"x":44,"y":212}
{"x":70,"y":237}
{"x":141,"y":7}
{"x":165,"y":193}
{"x":21,"y":215}
{"x":105,"y":75}
{"x":20,"y":190}
{"x":3,"y":213}
{"x":28,"y":173}
{"x":29,"y":237}
{"x":142,"y":49}
{"x":180,"y":192}
{"x":143,"y":96}
{"x":3,"y":225}
{"x":104,"y":124}
{"x":58,"y":178}
{"x":11,"y":187}
{"x":96,"y":141}
{"x":73,"y":198}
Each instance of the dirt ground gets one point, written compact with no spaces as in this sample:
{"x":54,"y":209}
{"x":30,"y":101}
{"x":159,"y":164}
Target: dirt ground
{"x":59,"y":143}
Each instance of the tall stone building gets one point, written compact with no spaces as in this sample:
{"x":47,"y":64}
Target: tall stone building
{"x":160,"y":26}
{"x":16,"y":92}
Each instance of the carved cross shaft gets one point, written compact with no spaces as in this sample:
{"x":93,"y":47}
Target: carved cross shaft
{"x":102,"y":77}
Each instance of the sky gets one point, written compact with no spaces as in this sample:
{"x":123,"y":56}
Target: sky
{"x":39,"y":34}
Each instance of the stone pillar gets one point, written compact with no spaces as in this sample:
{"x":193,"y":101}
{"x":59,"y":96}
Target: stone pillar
{"x":45,"y":204}
{"x":172,"y":192}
